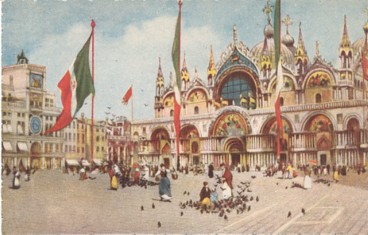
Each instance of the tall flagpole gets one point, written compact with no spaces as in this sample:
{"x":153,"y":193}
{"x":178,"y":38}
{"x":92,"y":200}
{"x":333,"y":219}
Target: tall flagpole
{"x":180,"y":3}
{"x":93,"y":24}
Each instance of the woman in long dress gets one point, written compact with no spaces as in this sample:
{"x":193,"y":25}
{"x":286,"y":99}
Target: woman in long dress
{"x":16,"y":179}
{"x":165,"y":187}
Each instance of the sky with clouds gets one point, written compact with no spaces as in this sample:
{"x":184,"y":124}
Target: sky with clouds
{"x":131,"y":35}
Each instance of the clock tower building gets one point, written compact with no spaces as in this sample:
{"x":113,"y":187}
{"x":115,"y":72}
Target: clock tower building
{"x":28,"y":109}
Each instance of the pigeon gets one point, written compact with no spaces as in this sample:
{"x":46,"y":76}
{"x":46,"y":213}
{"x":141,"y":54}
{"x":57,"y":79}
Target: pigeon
{"x":142,"y":208}
{"x":225,"y":217}
{"x":159,"y":224}
{"x":303,"y":211}
{"x":188,"y":193}
{"x":289,"y":214}
{"x":222,"y":213}
{"x":248,"y":208}
{"x":185,"y":192}
{"x":257,"y":198}
{"x":181,"y":213}
{"x":153,"y":205}
{"x":286,"y":187}
{"x":253,"y":176}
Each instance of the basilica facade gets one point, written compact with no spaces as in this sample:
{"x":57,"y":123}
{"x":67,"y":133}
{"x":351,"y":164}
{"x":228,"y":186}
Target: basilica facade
{"x":229,"y":117}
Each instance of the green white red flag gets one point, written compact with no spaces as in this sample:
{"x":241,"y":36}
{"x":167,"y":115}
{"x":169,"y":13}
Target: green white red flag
{"x":75,"y":86}
{"x":279,"y":79}
{"x":279,"y":85}
{"x":277,"y":31}
{"x":177,"y":81}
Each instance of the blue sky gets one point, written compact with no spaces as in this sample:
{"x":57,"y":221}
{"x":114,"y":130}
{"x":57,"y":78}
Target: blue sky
{"x":131,"y":35}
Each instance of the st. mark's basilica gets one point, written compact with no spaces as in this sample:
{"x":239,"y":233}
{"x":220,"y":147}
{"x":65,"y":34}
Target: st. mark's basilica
{"x":226,"y":117}
{"x":229,"y":116}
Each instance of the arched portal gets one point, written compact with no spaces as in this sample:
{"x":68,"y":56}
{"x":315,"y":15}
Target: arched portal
{"x":36,"y":161}
{"x":190,"y":145}
{"x":269,"y":134}
{"x":234,"y":146}
{"x":322,"y":128}
{"x":160,"y":147}
{"x":353,"y":129}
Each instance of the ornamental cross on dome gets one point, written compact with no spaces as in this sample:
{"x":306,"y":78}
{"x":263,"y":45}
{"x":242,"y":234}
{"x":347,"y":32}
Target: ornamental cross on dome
{"x":268,"y":9}
{"x":287,"y":21}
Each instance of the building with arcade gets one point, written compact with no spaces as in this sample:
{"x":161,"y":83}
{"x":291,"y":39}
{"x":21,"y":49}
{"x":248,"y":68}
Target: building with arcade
{"x":229,"y":117}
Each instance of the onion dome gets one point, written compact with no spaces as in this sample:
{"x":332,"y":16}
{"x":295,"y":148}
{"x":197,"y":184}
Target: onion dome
{"x":266,"y":48}
{"x":268,"y":31}
{"x":288,"y":40}
{"x":258,"y":51}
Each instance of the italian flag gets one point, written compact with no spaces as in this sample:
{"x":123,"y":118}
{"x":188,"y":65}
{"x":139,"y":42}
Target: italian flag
{"x":279,"y":78}
{"x":280,"y":128}
{"x":75,"y":86}
{"x":177,"y":82}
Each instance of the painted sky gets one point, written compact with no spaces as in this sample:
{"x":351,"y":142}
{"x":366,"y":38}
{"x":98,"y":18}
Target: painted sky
{"x":131,"y":35}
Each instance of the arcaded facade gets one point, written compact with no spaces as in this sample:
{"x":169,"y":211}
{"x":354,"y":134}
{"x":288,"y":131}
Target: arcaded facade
{"x":229,"y":116}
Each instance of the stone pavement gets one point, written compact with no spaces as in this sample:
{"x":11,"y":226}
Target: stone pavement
{"x":56,"y":203}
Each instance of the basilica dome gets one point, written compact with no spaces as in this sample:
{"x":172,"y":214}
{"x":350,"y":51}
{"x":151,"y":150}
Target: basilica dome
{"x":259,"y":50}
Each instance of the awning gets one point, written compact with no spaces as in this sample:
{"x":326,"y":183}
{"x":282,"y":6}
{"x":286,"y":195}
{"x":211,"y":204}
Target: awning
{"x":85,"y":163}
{"x":98,"y":162}
{"x":22,"y":146}
{"x":72,"y":162}
{"x":7,"y":146}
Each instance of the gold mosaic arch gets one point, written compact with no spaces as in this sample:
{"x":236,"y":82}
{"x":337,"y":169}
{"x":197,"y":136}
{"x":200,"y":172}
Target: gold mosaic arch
{"x":189,"y":131}
{"x":318,"y":123}
{"x":197,"y":95}
{"x":319,"y":79}
{"x":270,"y":127}
{"x":229,"y":124}
{"x":168,"y":100}
{"x":289,"y":84}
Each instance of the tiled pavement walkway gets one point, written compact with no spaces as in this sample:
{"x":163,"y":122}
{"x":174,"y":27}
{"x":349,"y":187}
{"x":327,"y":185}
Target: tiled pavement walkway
{"x":56,"y":203}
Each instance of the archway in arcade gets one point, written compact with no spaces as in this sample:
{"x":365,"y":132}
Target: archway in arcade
{"x":234,"y":146}
{"x":269,"y":132}
{"x":190,"y":146}
{"x":322,"y":126}
{"x":160,"y":143}
{"x":353,"y":129}
{"x":159,"y":138}
{"x":36,"y":161}
{"x":271,"y":128}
